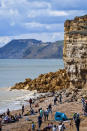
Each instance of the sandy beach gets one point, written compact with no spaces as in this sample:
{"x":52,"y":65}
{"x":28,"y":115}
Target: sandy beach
{"x":69,"y":108}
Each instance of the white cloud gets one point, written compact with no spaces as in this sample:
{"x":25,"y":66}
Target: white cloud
{"x":4,"y":40}
{"x":58,"y":13}
{"x":18,"y":17}
{"x":44,"y":27}
{"x":46,"y":12}
{"x":33,"y":25}
{"x":45,"y":37}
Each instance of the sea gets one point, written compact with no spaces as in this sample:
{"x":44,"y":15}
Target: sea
{"x":17,"y":70}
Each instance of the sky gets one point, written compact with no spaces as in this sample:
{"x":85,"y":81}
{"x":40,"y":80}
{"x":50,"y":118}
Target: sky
{"x":37,"y":19}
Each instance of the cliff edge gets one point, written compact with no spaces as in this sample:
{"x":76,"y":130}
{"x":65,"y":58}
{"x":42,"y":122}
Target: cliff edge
{"x":75,"y":51}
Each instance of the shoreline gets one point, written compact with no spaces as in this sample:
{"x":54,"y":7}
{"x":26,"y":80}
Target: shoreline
{"x":21,"y":99}
{"x":69,"y":108}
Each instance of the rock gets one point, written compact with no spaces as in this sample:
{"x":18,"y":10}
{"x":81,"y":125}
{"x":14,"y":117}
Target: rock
{"x":75,"y":51}
{"x":26,"y":87}
{"x":52,"y":81}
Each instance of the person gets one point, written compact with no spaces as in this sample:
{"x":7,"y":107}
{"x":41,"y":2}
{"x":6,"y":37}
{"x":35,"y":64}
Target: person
{"x":32,"y":111}
{"x":74,"y":116}
{"x":0,"y":123}
{"x":22,"y":109}
{"x":61,"y":126}
{"x":30,"y":101}
{"x":16,"y":117}
{"x":29,"y":129}
{"x":39,"y":121}
{"x":19,"y":116}
{"x":46,"y":114}
{"x":85,"y":109}
{"x":41,"y":112}
{"x":54,"y":128}
{"x":8,"y":112}
{"x":50,"y":108}
{"x":77,"y":122}
{"x":12,"y":118}
{"x":51,"y":125}
{"x":55,"y":100}
{"x":33,"y":126}
{"x":47,"y":128}
{"x":60,"y":98}
{"x":83,"y":101}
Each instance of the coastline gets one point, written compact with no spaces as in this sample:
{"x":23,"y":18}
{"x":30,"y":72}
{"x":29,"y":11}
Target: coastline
{"x":16,"y":102}
{"x":69,"y":108}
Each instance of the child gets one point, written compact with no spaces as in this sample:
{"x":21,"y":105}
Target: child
{"x":33,"y":126}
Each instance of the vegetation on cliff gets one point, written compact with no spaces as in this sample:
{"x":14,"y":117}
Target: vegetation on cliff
{"x":52,"y":81}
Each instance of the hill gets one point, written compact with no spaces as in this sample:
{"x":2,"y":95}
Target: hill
{"x":31,"y":49}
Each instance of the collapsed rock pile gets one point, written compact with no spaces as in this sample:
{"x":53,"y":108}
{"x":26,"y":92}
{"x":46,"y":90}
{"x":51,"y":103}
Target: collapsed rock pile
{"x":51,"y":82}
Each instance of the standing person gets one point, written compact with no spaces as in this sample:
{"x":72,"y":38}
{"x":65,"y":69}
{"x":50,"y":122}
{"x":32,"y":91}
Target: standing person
{"x":46,"y":114}
{"x":33,"y":126}
{"x":83,"y":101}
{"x":39,"y":121}
{"x":8,"y":112}
{"x":41,"y":112}
{"x":50,"y":108}
{"x":61,"y":127}
{"x":77,"y":122}
{"x":60,"y":98}
{"x":22,"y":109}
{"x":54,"y":128}
{"x":0,"y":123}
{"x":85,"y":109}
{"x":30,"y":101}
{"x":55,"y":100}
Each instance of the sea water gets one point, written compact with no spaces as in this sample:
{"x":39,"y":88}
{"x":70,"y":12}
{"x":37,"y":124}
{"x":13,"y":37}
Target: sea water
{"x":17,"y":70}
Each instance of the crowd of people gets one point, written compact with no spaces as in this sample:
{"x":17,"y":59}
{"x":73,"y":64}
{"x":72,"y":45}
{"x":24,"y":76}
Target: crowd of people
{"x":7,"y":117}
{"x":43,"y":116}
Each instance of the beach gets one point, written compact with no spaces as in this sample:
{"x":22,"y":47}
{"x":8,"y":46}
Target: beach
{"x":69,"y":108}
{"x":13,"y":71}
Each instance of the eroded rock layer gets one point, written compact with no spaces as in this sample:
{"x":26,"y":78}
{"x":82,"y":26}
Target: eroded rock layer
{"x":75,"y":51}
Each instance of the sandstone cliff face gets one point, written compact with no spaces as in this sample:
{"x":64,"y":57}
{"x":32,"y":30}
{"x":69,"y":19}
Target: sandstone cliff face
{"x":75,"y":51}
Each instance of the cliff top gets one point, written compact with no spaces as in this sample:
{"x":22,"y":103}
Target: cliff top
{"x":76,"y":26}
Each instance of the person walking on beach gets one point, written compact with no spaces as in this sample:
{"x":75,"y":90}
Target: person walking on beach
{"x":22,"y":109}
{"x":8,"y":112}
{"x":39,"y":121}
{"x":55,"y":100}
{"x":30,"y":101}
{"x":50,"y":108}
{"x":83,"y":101}
{"x":46,"y":114}
{"x":77,"y":122}
{"x":60,"y":98}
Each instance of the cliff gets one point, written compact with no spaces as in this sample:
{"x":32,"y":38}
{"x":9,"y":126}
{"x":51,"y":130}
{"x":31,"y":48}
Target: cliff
{"x":31,"y":49}
{"x":75,"y":51}
{"x":75,"y":61}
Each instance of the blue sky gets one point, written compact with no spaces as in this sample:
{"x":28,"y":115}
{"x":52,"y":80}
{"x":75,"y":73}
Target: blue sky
{"x":39,"y":19}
